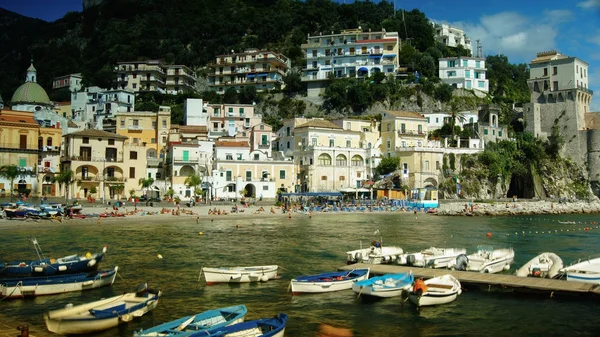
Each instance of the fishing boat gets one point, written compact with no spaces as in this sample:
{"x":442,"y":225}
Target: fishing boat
{"x":438,"y":290}
{"x":485,"y":260}
{"x":265,"y":327}
{"x":328,"y":282}
{"x":50,"y":285}
{"x":240,"y":274}
{"x":375,"y":254}
{"x":587,"y":271}
{"x":103,"y":314}
{"x":431,"y":257}
{"x":545,"y":265}
{"x":388,"y":285}
{"x":49,"y":266}
{"x":21,"y":212}
{"x":207,"y":320}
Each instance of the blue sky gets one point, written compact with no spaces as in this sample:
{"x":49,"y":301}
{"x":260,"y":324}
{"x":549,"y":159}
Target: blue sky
{"x":517,"y":29}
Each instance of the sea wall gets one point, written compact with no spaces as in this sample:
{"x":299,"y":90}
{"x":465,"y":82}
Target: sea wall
{"x":518,"y":208}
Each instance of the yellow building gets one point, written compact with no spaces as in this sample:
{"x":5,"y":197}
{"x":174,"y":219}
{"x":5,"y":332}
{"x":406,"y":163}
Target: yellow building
{"x":49,"y":145}
{"x":400,"y":129}
{"x":144,"y":128}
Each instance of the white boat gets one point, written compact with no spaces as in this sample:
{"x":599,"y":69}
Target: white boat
{"x":240,"y":274}
{"x":485,"y":260}
{"x":103,"y":314}
{"x":431,"y":257}
{"x":545,"y":265}
{"x":375,"y":254}
{"x":438,"y":290}
{"x":328,"y":282}
{"x":389,"y":285}
{"x":587,"y":271}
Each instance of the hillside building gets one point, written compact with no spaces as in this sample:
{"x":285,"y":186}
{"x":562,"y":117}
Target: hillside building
{"x":155,"y":76}
{"x":71,"y":82}
{"x":464,"y":72}
{"x":452,"y":36}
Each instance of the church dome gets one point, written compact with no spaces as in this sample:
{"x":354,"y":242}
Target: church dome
{"x":30,"y":92}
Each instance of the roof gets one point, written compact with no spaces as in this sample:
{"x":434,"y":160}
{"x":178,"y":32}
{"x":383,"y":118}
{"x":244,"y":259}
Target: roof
{"x":231,"y":144}
{"x":31,"y":67}
{"x":548,"y":56}
{"x":17,"y":118}
{"x":96,"y":133}
{"x":319,"y":123}
{"x":72,"y":124}
{"x":30,"y":92}
{"x":193,"y":128}
{"x":406,"y":114}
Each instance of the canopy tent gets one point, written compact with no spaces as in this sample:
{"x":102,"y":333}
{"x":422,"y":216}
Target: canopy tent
{"x":363,"y":69}
{"x":312,"y":194}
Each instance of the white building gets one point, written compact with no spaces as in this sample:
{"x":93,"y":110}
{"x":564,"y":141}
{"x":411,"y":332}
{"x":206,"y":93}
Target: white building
{"x":351,"y":53}
{"x":464,"y":72}
{"x":94,"y":104}
{"x":195,"y":112}
{"x":436,"y":120}
{"x":71,"y":82}
{"x":452,"y":36}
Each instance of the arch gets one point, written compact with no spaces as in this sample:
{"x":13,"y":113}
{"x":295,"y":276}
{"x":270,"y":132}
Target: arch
{"x":357,"y":160}
{"x":454,"y":85}
{"x":325,"y":159}
{"x":375,"y":70}
{"x":341,"y":160}
{"x":186,"y":171}
{"x":494,"y":122}
{"x":430,"y":182}
{"x":250,"y":190}
{"x":49,"y":141}
{"x":151,"y":153}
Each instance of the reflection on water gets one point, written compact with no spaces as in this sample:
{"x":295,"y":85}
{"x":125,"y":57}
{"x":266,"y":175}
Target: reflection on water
{"x":308,"y":246}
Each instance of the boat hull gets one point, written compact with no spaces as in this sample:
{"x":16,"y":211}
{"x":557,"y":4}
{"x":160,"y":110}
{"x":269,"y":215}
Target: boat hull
{"x":390,"y":285}
{"x":431,"y":257}
{"x":440,"y":290}
{"x":49,"y":267}
{"x":269,"y":327}
{"x":374,"y":255}
{"x":545,"y":265}
{"x":587,"y":271}
{"x":240,"y":274}
{"x":40,"y":286}
{"x":328,"y":282}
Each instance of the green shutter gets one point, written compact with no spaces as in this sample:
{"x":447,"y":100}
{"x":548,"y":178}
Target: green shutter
{"x":186,"y":155}
{"x":22,"y":162}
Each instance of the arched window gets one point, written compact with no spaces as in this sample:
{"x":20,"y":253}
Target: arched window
{"x":357,"y":160}
{"x":325,"y":159}
{"x":341,"y":160}
{"x":40,"y":142}
{"x":49,"y":141}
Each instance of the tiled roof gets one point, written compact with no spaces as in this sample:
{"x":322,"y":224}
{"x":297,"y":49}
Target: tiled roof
{"x":548,"y":56}
{"x":17,"y":118}
{"x":193,"y":128}
{"x":319,"y":123}
{"x":409,"y":114}
{"x":231,"y":144}
{"x":96,"y":133}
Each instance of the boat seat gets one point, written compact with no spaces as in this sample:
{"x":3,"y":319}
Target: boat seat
{"x":108,"y":312}
{"x":443,"y":286}
{"x":253,"y":332}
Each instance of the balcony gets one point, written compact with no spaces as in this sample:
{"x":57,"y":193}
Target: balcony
{"x":264,"y":146}
{"x":88,"y":178}
{"x":114,"y":180}
{"x":135,"y":127}
{"x":152,"y":79}
{"x":17,"y":147}
{"x":412,"y":133}
{"x":584,"y":89}
{"x":91,"y":159}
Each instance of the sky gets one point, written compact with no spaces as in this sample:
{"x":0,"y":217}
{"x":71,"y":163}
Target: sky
{"x":517,"y":29}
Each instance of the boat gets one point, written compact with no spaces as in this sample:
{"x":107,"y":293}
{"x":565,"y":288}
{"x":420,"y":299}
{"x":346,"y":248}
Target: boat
{"x":50,"y":285}
{"x":485,"y":260}
{"x":75,"y":208}
{"x":388,"y":285}
{"x":265,"y":327}
{"x":567,"y":222}
{"x":328,"y":282}
{"x":438,"y":290}
{"x":587,"y":271}
{"x":375,"y":254}
{"x":239,"y":274}
{"x":49,"y":266}
{"x":545,"y":265}
{"x":431,"y":257}
{"x":207,"y":320}
{"x":21,"y":212}
{"x":53,"y":209}
{"x":103,"y":314}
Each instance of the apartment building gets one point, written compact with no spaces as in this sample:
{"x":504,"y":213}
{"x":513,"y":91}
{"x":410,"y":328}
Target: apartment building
{"x":464,"y":72}
{"x":352,"y":53}
{"x":230,"y":119}
{"x":94,"y":105}
{"x":436,"y":120}
{"x":400,"y":129}
{"x":452,"y":36}
{"x":155,"y":76}
{"x":71,"y":82}
{"x":263,"y":69}
{"x":184,"y":159}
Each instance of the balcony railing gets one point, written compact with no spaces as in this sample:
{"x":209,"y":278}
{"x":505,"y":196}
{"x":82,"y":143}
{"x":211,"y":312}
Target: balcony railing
{"x":580,"y":87}
{"x":264,"y":146}
{"x":415,"y":133}
{"x":135,"y":127}
{"x":89,"y":178}
{"x":91,"y":159}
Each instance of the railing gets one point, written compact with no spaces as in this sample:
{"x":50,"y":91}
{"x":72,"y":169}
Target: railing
{"x":580,"y":87}
{"x":88,"y":178}
{"x":18,"y":146}
{"x":91,"y":159}
{"x":134,"y":127}
{"x":264,"y":146}
{"x":412,"y":133}
{"x":115,"y":179}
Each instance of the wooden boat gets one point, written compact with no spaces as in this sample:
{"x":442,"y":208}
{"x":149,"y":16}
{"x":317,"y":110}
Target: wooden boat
{"x":545,"y":265}
{"x":103,"y":314}
{"x":587,"y":271}
{"x":485,"y":260}
{"x":50,"y":285}
{"x":328,"y":282}
{"x":438,"y":290}
{"x":431,"y":257}
{"x":240,"y":274}
{"x":48,"y":266}
{"x":266,"y":327}
{"x":375,"y":254}
{"x":207,"y":320}
{"x":388,"y":285}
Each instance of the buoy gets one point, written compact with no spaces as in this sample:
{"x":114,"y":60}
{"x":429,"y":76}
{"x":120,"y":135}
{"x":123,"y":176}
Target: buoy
{"x":88,"y":255}
{"x":489,"y":234}
{"x":200,"y":233}
{"x":159,"y":256}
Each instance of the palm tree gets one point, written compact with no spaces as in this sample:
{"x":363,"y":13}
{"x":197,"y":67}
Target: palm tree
{"x":193,"y":180}
{"x":146,"y":183}
{"x":10,"y":172}
{"x":64,"y":177}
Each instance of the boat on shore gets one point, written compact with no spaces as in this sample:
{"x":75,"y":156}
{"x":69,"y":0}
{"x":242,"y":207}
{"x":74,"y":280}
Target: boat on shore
{"x":545,"y":265}
{"x":265,"y":327}
{"x":58,"y":284}
{"x":434,"y":291}
{"x":587,"y":271}
{"x":103,"y":314}
{"x":389,"y":285}
{"x":431,"y":257}
{"x":239,"y":274}
{"x":201,"y":322}
{"x":328,"y":282}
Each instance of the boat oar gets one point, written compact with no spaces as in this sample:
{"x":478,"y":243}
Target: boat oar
{"x":199,"y":276}
{"x":186,"y":323}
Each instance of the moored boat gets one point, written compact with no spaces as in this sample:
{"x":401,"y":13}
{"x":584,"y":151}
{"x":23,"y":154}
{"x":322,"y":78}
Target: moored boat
{"x":388,"y":285}
{"x":328,"y":282}
{"x":485,"y":260}
{"x":265,"y":327}
{"x":545,"y":265}
{"x":207,"y":320}
{"x":375,"y":254}
{"x":103,"y":314}
{"x":438,"y":290}
{"x":587,"y":271}
{"x":240,"y":274}
{"x":58,"y":284}
{"x":432,"y":257}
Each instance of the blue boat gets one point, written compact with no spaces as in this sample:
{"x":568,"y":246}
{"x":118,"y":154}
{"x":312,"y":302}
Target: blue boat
{"x":189,"y":325}
{"x":49,"y":266}
{"x":328,"y":282}
{"x":50,"y":285}
{"x":388,"y":285}
{"x":266,"y":327}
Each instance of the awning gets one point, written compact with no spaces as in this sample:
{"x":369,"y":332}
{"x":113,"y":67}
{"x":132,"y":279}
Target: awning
{"x":389,"y":55}
{"x":374,"y":56}
{"x":262,"y":75}
{"x":363,"y":69}
{"x":251,"y":76}
{"x":312,"y":194}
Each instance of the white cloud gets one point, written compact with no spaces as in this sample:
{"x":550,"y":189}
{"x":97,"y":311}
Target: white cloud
{"x":559,"y":15}
{"x":589,"y":4}
{"x":595,"y":39}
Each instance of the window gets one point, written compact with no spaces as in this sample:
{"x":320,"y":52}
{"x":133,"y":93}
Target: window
{"x":555,"y":85}
{"x":465,"y":63}
{"x":331,"y":142}
{"x":341,"y":160}
{"x":357,"y":160}
{"x":499,"y":133}
{"x":420,"y":129}
{"x":228,"y":156}
{"x":152,"y":140}
{"x":403,"y":128}
{"x":388,"y":144}
{"x":324,"y":160}
{"x":242,"y":113}
{"x":323,"y":177}
{"x":264,"y":140}
{"x":485,"y":131}
{"x":239,"y":156}
{"x":389,"y":127}
{"x":477,"y":64}
{"x":481,"y":84}
{"x":451,"y":73}
{"x":554,"y":70}
{"x":403,"y":143}
{"x":85,"y":140}
{"x":230,"y":112}
{"x":437,"y":164}
{"x":134,"y":85}
{"x":248,"y":175}
{"x":133,"y":155}
{"x":348,"y":143}
{"x":545,"y":71}
{"x":164,"y":123}
{"x":122,"y":124}
{"x":153,"y":125}
{"x":342,"y":178}
{"x":228,"y":176}
{"x":216,"y":112}
{"x":265,"y":187}
{"x":132,"y":173}
{"x":110,"y":141}
{"x":467,"y":73}
{"x":256,"y":156}
{"x":427,"y":118}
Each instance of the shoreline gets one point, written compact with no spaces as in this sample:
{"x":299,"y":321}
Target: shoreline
{"x":506,"y":208}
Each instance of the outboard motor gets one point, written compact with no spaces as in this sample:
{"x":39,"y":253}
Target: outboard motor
{"x":141,"y":289}
{"x":410,"y":260}
{"x":461,"y":262}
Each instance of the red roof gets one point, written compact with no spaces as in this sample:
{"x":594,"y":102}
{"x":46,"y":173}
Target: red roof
{"x":231,"y":144}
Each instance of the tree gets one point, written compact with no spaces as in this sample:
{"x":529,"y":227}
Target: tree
{"x":293,"y":82}
{"x":387,"y":165}
{"x":146,"y":183}
{"x":230,"y":96}
{"x":10,"y":172}
{"x":193,"y":180}
{"x":64,"y":177}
